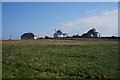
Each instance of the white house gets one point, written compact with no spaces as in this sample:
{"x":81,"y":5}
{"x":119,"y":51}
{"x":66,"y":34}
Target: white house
{"x":92,"y":33}
{"x":59,"y":34}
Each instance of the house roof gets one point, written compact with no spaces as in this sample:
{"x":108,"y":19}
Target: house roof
{"x":28,"y":35}
{"x":93,"y":30}
{"x":58,"y":32}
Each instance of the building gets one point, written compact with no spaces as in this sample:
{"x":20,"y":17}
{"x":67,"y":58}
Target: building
{"x":59,"y":34}
{"x":92,"y":33}
{"x":28,"y":36}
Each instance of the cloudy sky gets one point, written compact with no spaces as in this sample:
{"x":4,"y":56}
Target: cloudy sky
{"x":106,"y":22}
{"x":42,"y":18}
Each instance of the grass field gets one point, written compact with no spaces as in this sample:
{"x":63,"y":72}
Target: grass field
{"x":85,"y":58}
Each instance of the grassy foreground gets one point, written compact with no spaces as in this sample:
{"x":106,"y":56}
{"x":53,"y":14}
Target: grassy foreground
{"x":90,"y":58}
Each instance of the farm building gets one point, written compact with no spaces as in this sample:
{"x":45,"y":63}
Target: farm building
{"x":92,"y":33}
{"x":28,"y":36}
{"x":59,"y":34}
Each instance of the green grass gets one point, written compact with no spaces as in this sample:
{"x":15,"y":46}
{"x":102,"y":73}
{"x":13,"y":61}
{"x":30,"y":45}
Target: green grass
{"x":60,"y":59}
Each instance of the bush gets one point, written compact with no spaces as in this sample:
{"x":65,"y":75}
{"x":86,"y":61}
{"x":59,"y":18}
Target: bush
{"x":46,"y":37}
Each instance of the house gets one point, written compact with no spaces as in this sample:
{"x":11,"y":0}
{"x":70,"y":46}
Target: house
{"x":59,"y":34}
{"x":28,"y":36}
{"x":92,"y":33}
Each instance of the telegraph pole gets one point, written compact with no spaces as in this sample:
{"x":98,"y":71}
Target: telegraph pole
{"x":10,"y":37}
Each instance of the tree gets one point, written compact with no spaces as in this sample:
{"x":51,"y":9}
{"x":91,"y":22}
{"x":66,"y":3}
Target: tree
{"x":46,"y":37}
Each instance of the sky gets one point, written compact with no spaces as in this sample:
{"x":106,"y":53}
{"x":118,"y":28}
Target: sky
{"x":60,"y":0}
{"x":42,"y":18}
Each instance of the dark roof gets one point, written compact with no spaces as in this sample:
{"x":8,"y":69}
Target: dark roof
{"x":92,"y":30}
{"x":59,"y":32}
{"x":84,"y":34}
{"x":28,"y":35}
